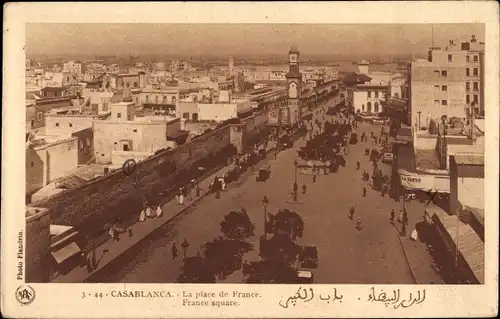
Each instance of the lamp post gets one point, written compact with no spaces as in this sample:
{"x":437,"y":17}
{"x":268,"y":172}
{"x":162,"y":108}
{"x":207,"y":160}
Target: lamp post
{"x":265,"y":202}
{"x":419,"y":112}
{"x":295,"y":186}
{"x":200,"y":169}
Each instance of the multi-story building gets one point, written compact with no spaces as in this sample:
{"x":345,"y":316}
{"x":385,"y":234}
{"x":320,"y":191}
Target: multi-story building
{"x":124,"y":135}
{"x":438,"y":86}
{"x":474,"y":72}
{"x":73,"y":67}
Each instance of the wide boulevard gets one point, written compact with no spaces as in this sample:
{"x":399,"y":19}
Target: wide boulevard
{"x":373,"y":255}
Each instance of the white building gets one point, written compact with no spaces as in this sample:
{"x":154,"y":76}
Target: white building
{"x":124,"y":136}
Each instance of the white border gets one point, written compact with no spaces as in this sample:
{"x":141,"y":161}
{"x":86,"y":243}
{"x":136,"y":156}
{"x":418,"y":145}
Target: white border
{"x":62,"y":300}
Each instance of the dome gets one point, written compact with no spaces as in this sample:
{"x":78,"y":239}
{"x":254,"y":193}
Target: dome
{"x":294,"y":48}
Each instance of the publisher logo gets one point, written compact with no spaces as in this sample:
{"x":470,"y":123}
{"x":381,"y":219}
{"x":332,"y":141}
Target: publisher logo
{"x":25,"y":294}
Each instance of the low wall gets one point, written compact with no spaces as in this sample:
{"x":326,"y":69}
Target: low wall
{"x":119,"y":157}
{"x":106,"y":195}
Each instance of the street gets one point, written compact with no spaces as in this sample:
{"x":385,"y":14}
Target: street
{"x":373,"y":255}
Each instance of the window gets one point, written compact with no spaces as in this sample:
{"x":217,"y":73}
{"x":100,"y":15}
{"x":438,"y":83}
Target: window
{"x":376,"y":107}
{"x":444,"y":88}
{"x":467,"y":58}
{"x":467,"y":72}
{"x":444,"y":73}
{"x":135,"y":130}
{"x":57,"y":124}
{"x":476,"y":58}
{"x":125,"y":147}
{"x":185,"y":115}
{"x":467,"y":86}
{"x":70,"y":125}
{"x":450,"y":58}
{"x":396,"y":95}
{"x":362,"y":107}
{"x":476,"y":72}
{"x":376,"y":94}
{"x":436,"y":73}
{"x":476,"y":86}
{"x":467,"y":99}
{"x":436,"y":87}
{"x":444,"y":102}
{"x":39,"y":116}
{"x":476,"y":98}
{"x":119,"y":115}
{"x":32,"y":123}
{"x":436,"y":102}
{"x":369,"y":94}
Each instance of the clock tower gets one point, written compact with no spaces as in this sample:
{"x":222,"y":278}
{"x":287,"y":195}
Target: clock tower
{"x":294,"y":86}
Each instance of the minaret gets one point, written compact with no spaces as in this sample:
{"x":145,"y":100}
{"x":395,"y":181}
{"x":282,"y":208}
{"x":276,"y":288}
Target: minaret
{"x":231,"y":65}
{"x":294,"y":85}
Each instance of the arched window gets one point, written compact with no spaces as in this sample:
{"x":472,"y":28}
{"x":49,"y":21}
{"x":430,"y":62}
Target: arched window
{"x":376,"y":107}
{"x":369,"y":107}
{"x":362,"y":107}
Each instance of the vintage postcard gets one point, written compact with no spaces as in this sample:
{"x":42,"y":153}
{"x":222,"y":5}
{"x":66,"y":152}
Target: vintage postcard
{"x":295,"y":159}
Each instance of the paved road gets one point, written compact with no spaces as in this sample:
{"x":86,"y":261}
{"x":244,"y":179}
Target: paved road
{"x":371,"y":256}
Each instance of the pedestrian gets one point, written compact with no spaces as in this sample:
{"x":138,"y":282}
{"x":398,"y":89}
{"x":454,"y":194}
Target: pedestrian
{"x":359,"y":224}
{"x":304,"y":188}
{"x":295,"y":188}
{"x":181,"y":197}
{"x":391,"y":218}
{"x":314,"y":178}
{"x":358,"y":164}
{"x":364,"y":191}
{"x":185,"y":246}
{"x":159,"y":211}
{"x":142,"y":215}
{"x":351,"y":213}
{"x":174,"y":251}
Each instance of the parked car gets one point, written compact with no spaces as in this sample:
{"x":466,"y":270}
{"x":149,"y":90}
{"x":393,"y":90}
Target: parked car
{"x":305,"y":277}
{"x":354,"y":138}
{"x":388,"y":157}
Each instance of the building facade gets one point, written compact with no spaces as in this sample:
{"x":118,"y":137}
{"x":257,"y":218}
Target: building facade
{"x":474,"y":73}
{"x":438,"y":86}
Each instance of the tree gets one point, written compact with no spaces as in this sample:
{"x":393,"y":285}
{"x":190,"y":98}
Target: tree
{"x":279,"y":248}
{"x":286,"y":223}
{"x":224,"y":256}
{"x":196,"y":270}
{"x":269,"y":271}
{"x":237,"y":225}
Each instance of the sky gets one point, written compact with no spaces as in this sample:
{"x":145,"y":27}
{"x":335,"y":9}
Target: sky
{"x":242,"y":39}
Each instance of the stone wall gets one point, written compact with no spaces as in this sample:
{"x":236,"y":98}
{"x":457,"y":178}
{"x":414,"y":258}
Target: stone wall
{"x":107,"y":195}
{"x":37,"y":247}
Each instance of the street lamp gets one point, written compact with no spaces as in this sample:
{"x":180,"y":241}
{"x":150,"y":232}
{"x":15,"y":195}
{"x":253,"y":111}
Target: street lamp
{"x":295,"y":186}
{"x":265,"y":202}
{"x":419,"y":112}
{"x":200,"y":169}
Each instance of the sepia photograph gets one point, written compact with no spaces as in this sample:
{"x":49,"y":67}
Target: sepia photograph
{"x":342,"y":161}
{"x":191,"y":160}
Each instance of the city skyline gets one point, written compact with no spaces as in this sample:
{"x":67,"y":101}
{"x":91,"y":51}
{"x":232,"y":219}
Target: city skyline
{"x":370,"y":40}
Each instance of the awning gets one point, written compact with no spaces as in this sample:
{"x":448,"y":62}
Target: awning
{"x":424,"y":182}
{"x":66,"y":252}
{"x":470,"y":246}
